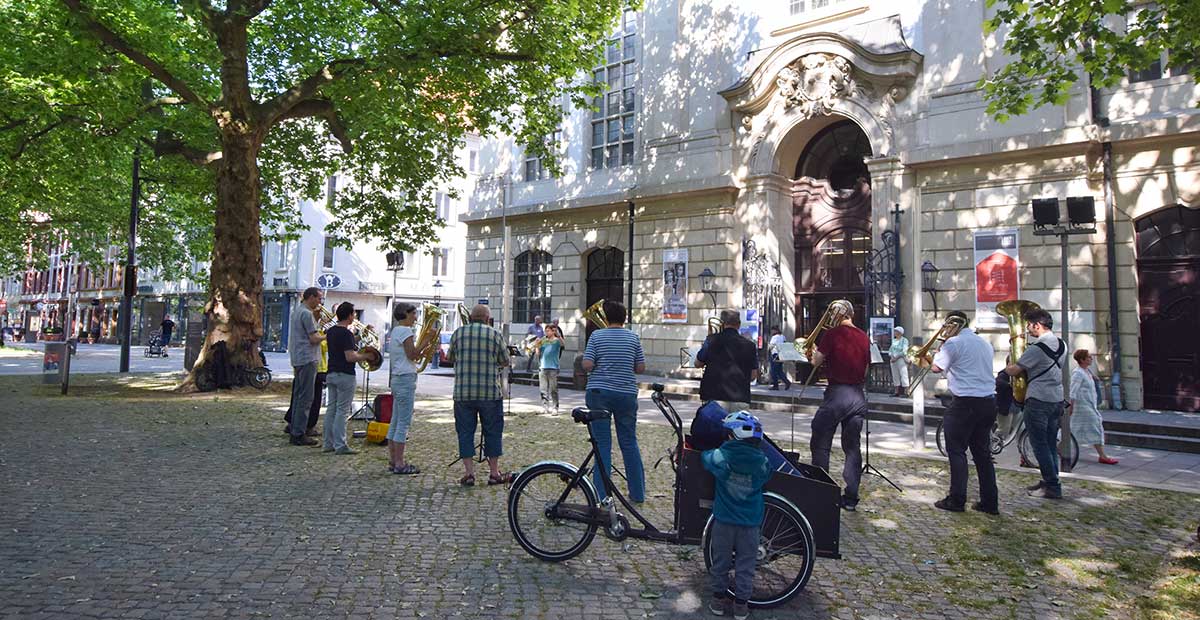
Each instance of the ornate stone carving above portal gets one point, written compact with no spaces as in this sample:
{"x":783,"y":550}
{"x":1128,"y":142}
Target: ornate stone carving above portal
{"x":814,"y":82}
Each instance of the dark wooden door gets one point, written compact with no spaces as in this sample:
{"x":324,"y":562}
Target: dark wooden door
{"x":1169,"y":296}
{"x":605,"y":278}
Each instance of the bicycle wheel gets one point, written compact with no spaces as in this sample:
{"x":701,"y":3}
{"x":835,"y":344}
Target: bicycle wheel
{"x":535,"y":491}
{"x":941,"y":442}
{"x":259,"y":377}
{"x":1025,"y":447}
{"x":785,"y":553}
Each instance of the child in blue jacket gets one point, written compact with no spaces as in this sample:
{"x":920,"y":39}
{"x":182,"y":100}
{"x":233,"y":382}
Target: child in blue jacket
{"x":741,"y":471}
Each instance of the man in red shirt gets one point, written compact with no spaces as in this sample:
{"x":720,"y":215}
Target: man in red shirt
{"x":844,"y":352}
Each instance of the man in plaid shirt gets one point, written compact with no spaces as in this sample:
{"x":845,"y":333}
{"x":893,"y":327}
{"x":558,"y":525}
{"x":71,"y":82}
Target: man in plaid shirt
{"x":478,"y":353}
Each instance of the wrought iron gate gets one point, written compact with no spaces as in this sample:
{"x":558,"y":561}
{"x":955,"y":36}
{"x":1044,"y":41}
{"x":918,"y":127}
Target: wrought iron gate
{"x":883,"y":278}
{"x":762,"y":290}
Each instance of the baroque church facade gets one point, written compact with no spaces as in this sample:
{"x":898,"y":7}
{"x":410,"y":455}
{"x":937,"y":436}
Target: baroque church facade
{"x":773,"y":157}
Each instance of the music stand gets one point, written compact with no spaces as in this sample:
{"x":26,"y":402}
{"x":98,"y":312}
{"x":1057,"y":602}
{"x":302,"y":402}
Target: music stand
{"x":868,"y":468}
{"x":366,"y":411}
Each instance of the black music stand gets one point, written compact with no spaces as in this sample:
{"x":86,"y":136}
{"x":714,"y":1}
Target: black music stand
{"x":868,"y":468}
{"x":366,"y":411}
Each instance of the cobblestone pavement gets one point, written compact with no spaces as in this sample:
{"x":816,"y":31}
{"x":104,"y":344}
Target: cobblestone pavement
{"x":127,"y":501}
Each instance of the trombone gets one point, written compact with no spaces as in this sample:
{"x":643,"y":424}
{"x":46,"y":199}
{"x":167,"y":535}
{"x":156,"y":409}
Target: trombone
{"x":838,"y":311}
{"x":922,"y":356}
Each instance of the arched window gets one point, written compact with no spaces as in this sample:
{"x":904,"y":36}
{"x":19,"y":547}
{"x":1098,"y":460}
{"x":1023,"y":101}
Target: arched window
{"x":840,"y":259}
{"x":532,"y":294}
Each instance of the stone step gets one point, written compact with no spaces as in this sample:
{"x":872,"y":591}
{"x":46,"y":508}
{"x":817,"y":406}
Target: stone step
{"x":1152,"y":441}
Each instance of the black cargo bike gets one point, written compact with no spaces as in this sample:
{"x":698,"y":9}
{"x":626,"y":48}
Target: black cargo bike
{"x":554,"y":512}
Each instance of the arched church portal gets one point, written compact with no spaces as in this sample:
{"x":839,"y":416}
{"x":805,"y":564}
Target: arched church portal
{"x":831,"y":221}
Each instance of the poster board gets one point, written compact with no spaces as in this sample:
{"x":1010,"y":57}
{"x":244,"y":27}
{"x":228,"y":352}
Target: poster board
{"x":997,"y":263}
{"x":675,"y":281}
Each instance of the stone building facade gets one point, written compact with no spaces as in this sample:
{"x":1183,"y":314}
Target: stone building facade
{"x":803,"y":152}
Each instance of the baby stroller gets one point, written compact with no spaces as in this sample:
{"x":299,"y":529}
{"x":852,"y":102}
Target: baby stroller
{"x":155,"y":348}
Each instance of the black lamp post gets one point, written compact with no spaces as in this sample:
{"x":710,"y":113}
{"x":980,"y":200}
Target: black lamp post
{"x":707,"y":279}
{"x":437,"y":293}
{"x":929,"y":282}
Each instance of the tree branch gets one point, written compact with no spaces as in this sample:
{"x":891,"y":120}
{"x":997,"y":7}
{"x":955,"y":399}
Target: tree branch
{"x":275,"y":108}
{"x":208,"y":14}
{"x":113,"y":40}
{"x":325,"y":109}
{"x":35,"y":136}
{"x":166,"y":143}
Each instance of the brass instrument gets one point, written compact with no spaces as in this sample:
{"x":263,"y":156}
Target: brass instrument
{"x":365,"y":337}
{"x":530,"y":345}
{"x":595,"y":314}
{"x":922,"y":356}
{"x":430,"y":334}
{"x":838,"y":311}
{"x":715,"y":325}
{"x":325,"y":318}
{"x":464,"y":315}
{"x":1013,"y":311}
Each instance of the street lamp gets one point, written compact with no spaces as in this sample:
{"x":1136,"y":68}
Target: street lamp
{"x":437,"y":293}
{"x":707,"y":281}
{"x":929,"y":282}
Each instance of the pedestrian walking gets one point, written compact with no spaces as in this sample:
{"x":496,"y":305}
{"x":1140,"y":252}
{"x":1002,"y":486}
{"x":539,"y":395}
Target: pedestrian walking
{"x":479,"y":353}
{"x":550,"y":350}
{"x":167,"y":328}
{"x":777,"y":371}
{"x":730,"y":365}
{"x":304,"y":346}
{"x":343,"y":356}
{"x":740,"y":470}
{"x":1042,"y":363}
{"x":1086,"y":423}
{"x":612,"y":359}
{"x":966,"y":360}
{"x":898,"y":360}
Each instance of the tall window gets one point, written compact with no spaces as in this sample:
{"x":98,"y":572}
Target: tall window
{"x":444,"y":206}
{"x":331,"y":185}
{"x":532,"y":295}
{"x":327,"y":262}
{"x":800,"y":7}
{"x":614,"y":118}
{"x":535,"y":167}
{"x":441,"y":262}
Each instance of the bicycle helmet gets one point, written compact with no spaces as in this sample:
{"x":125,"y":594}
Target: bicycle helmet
{"x":743,"y":425}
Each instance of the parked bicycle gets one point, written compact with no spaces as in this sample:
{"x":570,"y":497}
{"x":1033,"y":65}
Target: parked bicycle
{"x":554,"y":511}
{"x":1002,"y":436}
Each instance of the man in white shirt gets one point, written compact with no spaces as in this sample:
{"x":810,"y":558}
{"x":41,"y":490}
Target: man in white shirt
{"x":967,"y":361}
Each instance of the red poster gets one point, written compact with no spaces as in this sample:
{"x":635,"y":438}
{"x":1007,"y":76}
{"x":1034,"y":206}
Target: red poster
{"x":996,"y":278}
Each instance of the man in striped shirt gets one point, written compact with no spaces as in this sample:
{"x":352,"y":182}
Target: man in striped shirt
{"x":612,"y":358}
{"x":478,"y":353}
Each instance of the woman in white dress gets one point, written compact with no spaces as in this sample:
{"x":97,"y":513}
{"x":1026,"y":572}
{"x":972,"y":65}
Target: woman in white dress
{"x":1086,"y":424}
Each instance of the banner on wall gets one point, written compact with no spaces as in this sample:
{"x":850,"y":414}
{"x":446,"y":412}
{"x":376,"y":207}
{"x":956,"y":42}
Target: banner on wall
{"x":675,"y":280}
{"x":997,"y":274}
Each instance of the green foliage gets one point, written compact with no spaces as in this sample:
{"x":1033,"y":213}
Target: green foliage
{"x":382,"y":90}
{"x":1054,"y":42}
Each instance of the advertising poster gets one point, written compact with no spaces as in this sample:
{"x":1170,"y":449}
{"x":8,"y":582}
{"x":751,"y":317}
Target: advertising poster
{"x":675,"y":279}
{"x":750,"y":327}
{"x":881,"y":331}
{"x":997,"y":263}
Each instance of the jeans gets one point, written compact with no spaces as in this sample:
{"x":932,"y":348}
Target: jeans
{"x":968,"y":425}
{"x":736,"y":547}
{"x":302,"y":396}
{"x":341,"y":399}
{"x":845,"y":405}
{"x":548,"y":385}
{"x":487,"y":413}
{"x":624,"y":414}
{"x":404,"y":393}
{"x":1042,"y":419}
{"x":778,"y":374}
{"x":314,"y":410}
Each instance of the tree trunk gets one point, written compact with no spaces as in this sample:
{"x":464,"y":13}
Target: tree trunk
{"x":234,"y":309}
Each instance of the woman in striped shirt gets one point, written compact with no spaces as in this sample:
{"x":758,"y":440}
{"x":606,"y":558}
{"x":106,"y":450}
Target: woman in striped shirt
{"x":612,"y":359}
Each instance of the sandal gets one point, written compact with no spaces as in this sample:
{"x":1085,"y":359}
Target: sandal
{"x":467,"y":481}
{"x":503,"y":478}
{"x":408,"y":470}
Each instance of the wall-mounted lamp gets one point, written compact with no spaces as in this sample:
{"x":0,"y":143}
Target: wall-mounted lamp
{"x":929,"y":282}
{"x":707,"y":280}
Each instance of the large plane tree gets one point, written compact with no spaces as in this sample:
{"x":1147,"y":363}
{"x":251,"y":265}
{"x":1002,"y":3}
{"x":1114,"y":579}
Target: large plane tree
{"x":239,"y":108}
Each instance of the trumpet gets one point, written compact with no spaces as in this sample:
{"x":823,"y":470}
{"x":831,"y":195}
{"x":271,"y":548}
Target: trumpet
{"x":430,"y":335}
{"x":1013,"y":310}
{"x":838,"y":311}
{"x":922,"y":356}
{"x":595,"y":314}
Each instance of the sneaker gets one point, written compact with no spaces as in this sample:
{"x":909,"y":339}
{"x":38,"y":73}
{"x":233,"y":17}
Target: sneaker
{"x":848,"y":504}
{"x":946,"y":504}
{"x":1048,"y":493}
{"x":741,"y":610}
{"x":979,"y":507}
{"x":346,"y":451}
{"x":718,"y":606}
{"x":1036,"y":487}
{"x":303,"y":441}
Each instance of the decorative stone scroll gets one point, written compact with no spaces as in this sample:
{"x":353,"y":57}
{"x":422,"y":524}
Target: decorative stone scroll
{"x":815,"y":82}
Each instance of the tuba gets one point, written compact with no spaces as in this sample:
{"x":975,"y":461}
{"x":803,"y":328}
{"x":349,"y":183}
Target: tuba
{"x":838,"y":311}
{"x":430,"y":334}
{"x":1013,"y":310}
{"x":922,"y":356}
{"x":595,"y":314}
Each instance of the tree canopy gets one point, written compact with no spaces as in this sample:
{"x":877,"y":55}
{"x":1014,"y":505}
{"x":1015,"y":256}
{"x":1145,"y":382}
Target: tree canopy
{"x":383,"y":90}
{"x":1051,"y":40}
